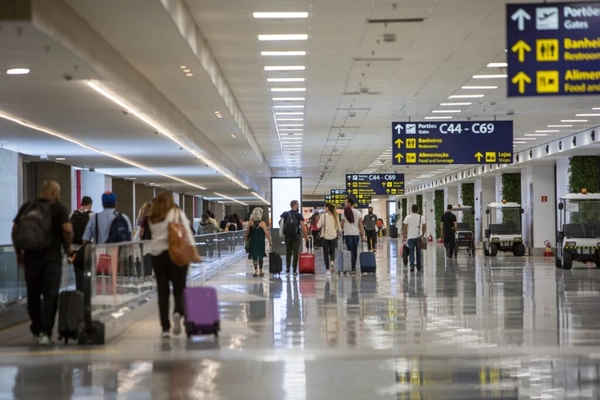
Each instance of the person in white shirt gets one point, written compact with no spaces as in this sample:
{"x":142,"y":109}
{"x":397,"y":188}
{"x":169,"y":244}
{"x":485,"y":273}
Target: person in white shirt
{"x":162,"y":212}
{"x":414,"y":226}
{"x":329,"y":225}
{"x":352,"y":224}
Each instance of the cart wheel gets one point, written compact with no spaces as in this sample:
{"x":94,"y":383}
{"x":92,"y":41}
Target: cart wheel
{"x":493,"y":249}
{"x":558,"y":262}
{"x":486,"y":252}
{"x":567,"y":260}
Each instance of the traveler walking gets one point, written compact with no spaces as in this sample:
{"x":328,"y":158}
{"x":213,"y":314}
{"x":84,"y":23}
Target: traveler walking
{"x":315,"y":231}
{"x":370,"y":224}
{"x":79,"y":220}
{"x":329,"y":224}
{"x":163,"y":212}
{"x":414,"y":227}
{"x":352,"y":224}
{"x":109,"y":225}
{"x":293,"y":229}
{"x":205,"y":226}
{"x":40,"y":229}
{"x":449,"y":227}
{"x":142,"y":229}
{"x":256,"y":232}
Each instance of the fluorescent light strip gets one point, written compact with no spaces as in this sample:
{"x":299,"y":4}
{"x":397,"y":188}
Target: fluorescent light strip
{"x":289,"y":106}
{"x":227,"y":197}
{"x":455,"y":104}
{"x":290,"y":113}
{"x":497,"y":65}
{"x":285,"y":68}
{"x":596,"y":108}
{"x":290,"y":119}
{"x":547,"y":131}
{"x":446,"y":111}
{"x":290,"y":125}
{"x":289,"y":98}
{"x":448,"y":117}
{"x":465,"y":96}
{"x":264,"y":38}
{"x":282,"y":53}
{"x":479,"y":87}
{"x":286,"y":15}
{"x":85,"y":146}
{"x":288,"y":89}
{"x":560,"y":126}
{"x":587,"y":115}
{"x":526,"y":138}
{"x":493,"y":76}
{"x":162,"y":130}
{"x":519,"y":142}
{"x":536,"y":134}
{"x":258,"y":196}
{"x":573,"y":120}
{"x":286,"y":79}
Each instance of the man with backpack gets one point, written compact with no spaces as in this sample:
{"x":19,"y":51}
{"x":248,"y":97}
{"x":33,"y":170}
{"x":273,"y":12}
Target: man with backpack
{"x":41,"y":228}
{"x":293,"y":228}
{"x":109,"y":225}
{"x":79,"y":220}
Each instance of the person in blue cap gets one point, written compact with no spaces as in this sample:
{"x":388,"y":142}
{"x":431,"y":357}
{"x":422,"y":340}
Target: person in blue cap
{"x":98,"y":229}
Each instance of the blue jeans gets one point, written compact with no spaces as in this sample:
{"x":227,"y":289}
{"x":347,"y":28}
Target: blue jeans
{"x":412,"y":249}
{"x":352,"y":245}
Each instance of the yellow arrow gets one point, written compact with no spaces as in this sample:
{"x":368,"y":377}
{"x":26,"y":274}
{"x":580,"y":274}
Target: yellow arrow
{"x":521,"y":79}
{"x":399,"y":143}
{"x":349,"y":184}
{"x":478,"y":156}
{"x":521,"y":47}
{"x":399,"y":157}
{"x":482,"y":375}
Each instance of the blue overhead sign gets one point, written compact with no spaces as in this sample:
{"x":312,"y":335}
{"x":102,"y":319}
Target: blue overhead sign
{"x":363,"y":186}
{"x":553,"y":49}
{"x":445,"y":143}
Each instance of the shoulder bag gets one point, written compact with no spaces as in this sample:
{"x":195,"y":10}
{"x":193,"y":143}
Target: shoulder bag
{"x":422,"y":240}
{"x":181,"y":251}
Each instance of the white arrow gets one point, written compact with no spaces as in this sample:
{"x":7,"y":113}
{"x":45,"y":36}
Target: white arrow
{"x":398,"y":128}
{"x":521,"y":15}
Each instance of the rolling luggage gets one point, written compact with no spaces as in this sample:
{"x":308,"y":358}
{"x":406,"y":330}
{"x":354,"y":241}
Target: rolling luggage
{"x":343,"y":261}
{"x":201,"y":311}
{"x":103,"y":267}
{"x":70,"y":314}
{"x":275,"y":263}
{"x":405,"y":253}
{"x":307,"y":260}
{"x":368,"y":265}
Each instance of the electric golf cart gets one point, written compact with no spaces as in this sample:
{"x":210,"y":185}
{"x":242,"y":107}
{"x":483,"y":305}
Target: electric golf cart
{"x":465,"y":238}
{"x":579,"y":236}
{"x":503,"y":232}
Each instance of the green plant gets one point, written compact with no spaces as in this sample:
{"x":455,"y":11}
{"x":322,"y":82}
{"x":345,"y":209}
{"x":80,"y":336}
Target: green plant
{"x":467,"y":191}
{"x":438,"y":207}
{"x":584,"y":173}
{"x":511,"y":192}
{"x":420,"y":203}
{"x":404,"y":208}
{"x":393,"y":219}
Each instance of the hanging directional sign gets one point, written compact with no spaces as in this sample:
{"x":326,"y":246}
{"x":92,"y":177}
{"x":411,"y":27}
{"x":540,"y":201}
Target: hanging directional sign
{"x":442,"y":143}
{"x":363,"y":186}
{"x":338,"y":197}
{"x":553,"y":49}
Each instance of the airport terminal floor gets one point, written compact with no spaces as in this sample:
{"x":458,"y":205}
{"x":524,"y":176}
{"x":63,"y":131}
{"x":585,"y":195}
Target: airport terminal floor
{"x":464,"y":328}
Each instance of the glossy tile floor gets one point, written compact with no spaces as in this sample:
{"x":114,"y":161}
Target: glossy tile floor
{"x":464,"y":328}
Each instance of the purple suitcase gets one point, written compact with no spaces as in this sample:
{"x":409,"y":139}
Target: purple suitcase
{"x":201,"y":311}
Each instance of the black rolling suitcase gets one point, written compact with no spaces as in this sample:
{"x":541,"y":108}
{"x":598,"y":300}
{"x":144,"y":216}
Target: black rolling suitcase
{"x":275,"y":263}
{"x":70,"y":315}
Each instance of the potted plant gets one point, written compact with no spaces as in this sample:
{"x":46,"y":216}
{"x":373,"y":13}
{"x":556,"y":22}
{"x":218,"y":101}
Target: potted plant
{"x":393,"y":228}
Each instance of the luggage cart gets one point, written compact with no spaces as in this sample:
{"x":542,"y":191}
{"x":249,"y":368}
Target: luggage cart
{"x":465,"y":237}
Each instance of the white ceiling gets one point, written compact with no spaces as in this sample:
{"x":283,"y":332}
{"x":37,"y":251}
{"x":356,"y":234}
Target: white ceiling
{"x":357,"y":84}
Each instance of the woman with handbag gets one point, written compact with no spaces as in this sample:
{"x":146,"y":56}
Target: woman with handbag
{"x":329,"y":224}
{"x":255,"y":236}
{"x":173,"y":248}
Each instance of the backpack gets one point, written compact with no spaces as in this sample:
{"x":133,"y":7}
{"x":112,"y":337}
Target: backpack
{"x":79,"y":220}
{"x":231,"y":226}
{"x":119,"y":230}
{"x":290,"y":226}
{"x":34,"y":228}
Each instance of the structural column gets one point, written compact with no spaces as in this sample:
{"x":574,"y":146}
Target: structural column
{"x":10,"y":181}
{"x":450,"y":196}
{"x":539,"y":202}
{"x":485,"y":192}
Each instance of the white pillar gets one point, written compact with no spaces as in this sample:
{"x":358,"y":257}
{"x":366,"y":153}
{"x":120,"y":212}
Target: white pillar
{"x":485,"y":192}
{"x":451,"y":196}
{"x":539,"y":203}
{"x":429,"y":213}
{"x":562,"y":179}
{"x":94,"y":184}
{"x":527,"y":203}
{"x":10,"y":182}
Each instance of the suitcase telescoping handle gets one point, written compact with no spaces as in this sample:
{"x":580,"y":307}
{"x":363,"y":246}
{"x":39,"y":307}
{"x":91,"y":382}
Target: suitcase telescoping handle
{"x":311,"y":239}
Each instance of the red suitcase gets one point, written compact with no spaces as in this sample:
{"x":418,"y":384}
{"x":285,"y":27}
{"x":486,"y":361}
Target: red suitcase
{"x":307,"y":260}
{"x":201,"y":311}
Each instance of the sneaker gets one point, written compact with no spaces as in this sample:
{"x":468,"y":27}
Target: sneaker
{"x":353,"y":272}
{"x":295,"y":273}
{"x":332,"y":267}
{"x":328,"y":272}
{"x":165,"y":335}
{"x":44,"y":340}
{"x":176,"y":324}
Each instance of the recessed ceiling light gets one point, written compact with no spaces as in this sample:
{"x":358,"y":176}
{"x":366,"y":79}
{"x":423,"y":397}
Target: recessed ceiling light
{"x":290,"y":106}
{"x":17,"y":71}
{"x":445,"y":111}
{"x":233,"y":136}
{"x":465,"y":96}
{"x":497,"y":65}
{"x":183,"y":67}
{"x":448,"y":117}
{"x":526,"y":138}
{"x":537,"y":134}
{"x":587,"y":115}
{"x":493,"y":76}
{"x":264,"y":38}
{"x":189,"y":74}
{"x":290,"y":119}
{"x":479,"y":87}
{"x":245,"y":152}
{"x":280,"y":15}
{"x":285,"y":68}
{"x":573,"y":120}
{"x":288,"y":99}
{"x":60,"y":158}
{"x":290,"y":125}
{"x":260,"y":171}
{"x":455,"y":104}
{"x":290,"y":113}
{"x":286,"y":130}
{"x":560,"y":126}
{"x":547,"y":131}
{"x":187,"y":70}
{"x":282,"y":53}
{"x":288,"y":89}
{"x":517,"y":142}
{"x":596,"y":108}
{"x":285,"y":79}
